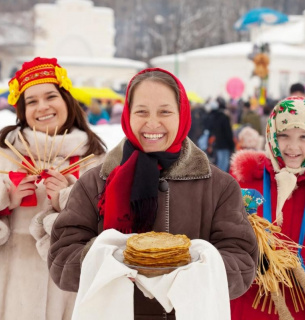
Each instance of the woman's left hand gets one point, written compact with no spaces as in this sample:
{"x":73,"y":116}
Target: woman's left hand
{"x":53,"y":185}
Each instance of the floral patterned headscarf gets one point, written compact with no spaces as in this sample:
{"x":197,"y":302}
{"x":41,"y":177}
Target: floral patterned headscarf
{"x":289,"y":113}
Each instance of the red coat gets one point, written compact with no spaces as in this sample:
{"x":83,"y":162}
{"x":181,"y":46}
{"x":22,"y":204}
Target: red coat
{"x":248,"y":167}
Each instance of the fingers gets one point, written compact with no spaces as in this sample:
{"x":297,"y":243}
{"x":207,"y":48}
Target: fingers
{"x":16,"y":194}
{"x":26,"y":193}
{"x":26,"y":186}
{"x":56,"y":174}
{"x":51,"y":186}
{"x":56,"y":181}
{"x":29,"y":178}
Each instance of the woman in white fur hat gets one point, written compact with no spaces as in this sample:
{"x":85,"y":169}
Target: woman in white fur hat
{"x":279,"y":175}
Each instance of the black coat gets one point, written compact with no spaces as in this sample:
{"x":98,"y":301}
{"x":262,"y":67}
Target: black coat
{"x":220,"y":127}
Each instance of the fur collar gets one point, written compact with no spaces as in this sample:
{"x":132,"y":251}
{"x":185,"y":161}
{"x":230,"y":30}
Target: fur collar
{"x":192,"y":163}
{"x":63,"y":145}
{"x":248,"y":165}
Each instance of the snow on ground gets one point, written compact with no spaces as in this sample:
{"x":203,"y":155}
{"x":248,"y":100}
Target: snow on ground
{"x":111,"y":134}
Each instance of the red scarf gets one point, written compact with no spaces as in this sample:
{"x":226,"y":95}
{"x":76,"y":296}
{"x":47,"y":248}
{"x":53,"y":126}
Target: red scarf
{"x":124,"y":201}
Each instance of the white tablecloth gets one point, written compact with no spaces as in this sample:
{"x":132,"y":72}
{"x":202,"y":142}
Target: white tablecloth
{"x":196,"y":291}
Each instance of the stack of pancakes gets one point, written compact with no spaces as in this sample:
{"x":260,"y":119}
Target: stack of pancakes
{"x":157,"y":249}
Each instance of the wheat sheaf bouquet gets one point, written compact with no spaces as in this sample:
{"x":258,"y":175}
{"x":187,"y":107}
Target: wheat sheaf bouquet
{"x":279,"y":264}
{"x":46,"y":159}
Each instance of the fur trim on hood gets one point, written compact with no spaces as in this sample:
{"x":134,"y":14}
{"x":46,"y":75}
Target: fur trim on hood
{"x":248,"y":165}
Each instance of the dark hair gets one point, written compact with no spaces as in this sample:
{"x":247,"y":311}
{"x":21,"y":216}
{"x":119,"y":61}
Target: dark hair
{"x":297,"y":87}
{"x":247,"y":104}
{"x":221,"y":102}
{"x":76,"y":118}
{"x":157,"y":76}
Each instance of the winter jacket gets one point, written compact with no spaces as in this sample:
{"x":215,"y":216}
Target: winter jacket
{"x":253,"y":119}
{"x":195,"y":198}
{"x":27,"y":291}
{"x":248,"y":167}
{"x":199,"y":123}
{"x":220,"y":127}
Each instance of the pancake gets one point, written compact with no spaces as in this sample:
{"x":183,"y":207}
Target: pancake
{"x":157,"y":249}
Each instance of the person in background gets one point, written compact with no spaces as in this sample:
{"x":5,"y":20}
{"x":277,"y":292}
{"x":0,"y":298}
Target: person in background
{"x":155,"y":179}
{"x":220,"y":130}
{"x":116,"y":113}
{"x":97,"y":113}
{"x":199,"y":118}
{"x":278,"y":174}
{"x":108,"y":107}
{"x":50,"y":125}
{"x":297,"y":89}
{"x":250,"y":117}
{"x":248,"y":138}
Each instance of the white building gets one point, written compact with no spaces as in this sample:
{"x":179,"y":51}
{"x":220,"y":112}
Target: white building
{"x":206,"y":71}
{"x":78,"y":34}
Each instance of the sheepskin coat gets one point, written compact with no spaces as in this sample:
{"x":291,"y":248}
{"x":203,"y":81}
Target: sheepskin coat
{"x":27,"y":291}
{"x":195,"y":198}
{"x":248,"y":167}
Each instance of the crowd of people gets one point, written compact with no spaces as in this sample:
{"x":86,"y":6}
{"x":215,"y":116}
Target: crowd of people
{"x":174,"y":172}
{"x":104,"y":113}
{"x":222,"y":127}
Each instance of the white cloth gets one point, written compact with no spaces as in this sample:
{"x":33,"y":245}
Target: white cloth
{"x":197,"y":290}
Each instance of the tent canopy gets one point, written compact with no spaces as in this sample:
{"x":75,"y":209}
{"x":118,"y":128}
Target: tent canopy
{"x":194,"y":97}
{"x":85,"y":94}
{"x":260,"y":16}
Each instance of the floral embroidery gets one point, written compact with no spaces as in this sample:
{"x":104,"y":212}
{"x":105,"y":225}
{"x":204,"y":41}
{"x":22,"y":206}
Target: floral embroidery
{"x":287,"y":105}
{"x":272,"y":114}
{"x":259,"y":201}
{"x":276,"y":152}
{"x":252,"y":200}
{"x":34,"y":76}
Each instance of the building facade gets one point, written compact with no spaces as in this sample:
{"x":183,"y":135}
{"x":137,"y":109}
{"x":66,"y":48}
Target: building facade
{"x":78,"y":34}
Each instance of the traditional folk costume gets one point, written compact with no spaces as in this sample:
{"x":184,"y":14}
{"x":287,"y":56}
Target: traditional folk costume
{"x":27,"y":291}
{"x":278,"y":292}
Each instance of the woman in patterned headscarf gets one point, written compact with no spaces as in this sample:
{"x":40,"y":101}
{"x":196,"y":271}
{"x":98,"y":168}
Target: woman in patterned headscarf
{"x":279,"y":175}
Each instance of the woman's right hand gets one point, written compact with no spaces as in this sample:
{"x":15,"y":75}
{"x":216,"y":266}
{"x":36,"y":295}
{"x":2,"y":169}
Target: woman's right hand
{"x":25,"y":188}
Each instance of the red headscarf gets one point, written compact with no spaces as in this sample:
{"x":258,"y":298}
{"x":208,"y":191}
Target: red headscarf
{"x":130,"y":198}
{"x":184,"y":114}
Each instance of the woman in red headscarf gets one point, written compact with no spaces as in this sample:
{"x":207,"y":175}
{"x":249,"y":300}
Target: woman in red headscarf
{"x":155,"y":179}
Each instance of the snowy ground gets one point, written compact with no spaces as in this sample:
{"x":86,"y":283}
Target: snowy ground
{"x":111,"y":134}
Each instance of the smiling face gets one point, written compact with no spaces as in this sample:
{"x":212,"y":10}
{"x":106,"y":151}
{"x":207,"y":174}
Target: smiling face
{"x":292,"y":146}
{"x":45,"y":108}
{"x":154,"y":115}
